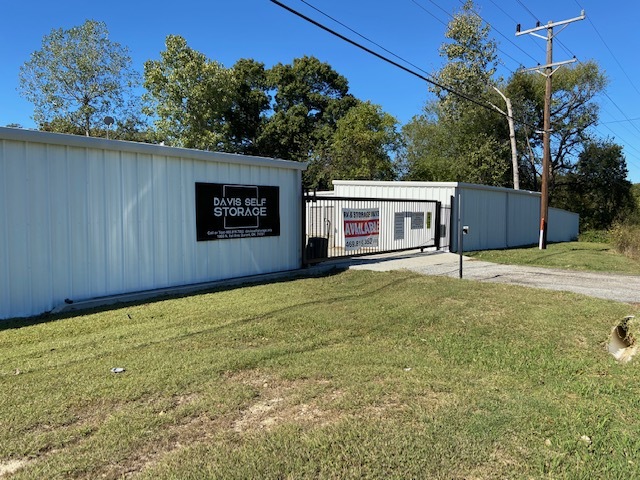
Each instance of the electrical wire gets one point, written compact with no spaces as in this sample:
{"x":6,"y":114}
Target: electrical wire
{"x":385,"y":59}
{"x":364,"y":37}
{"x":429,"y":12}
{"x":515,"y":22}
{"x":388,"y":60}
{"x":621,"y":121}
{"x":451,"y":17}
{"x":503,"y":36}
{"x":527,"y":9}
{"x":611,"y":52}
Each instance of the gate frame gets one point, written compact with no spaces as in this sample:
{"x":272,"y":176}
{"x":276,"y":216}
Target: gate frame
{"x":308,"y":197}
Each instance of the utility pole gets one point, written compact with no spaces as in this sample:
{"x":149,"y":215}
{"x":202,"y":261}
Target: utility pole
{"x":547,"y":70}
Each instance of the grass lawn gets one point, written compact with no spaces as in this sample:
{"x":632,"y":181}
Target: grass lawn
{"x":599,"y":257}
{"x":354,"y":375}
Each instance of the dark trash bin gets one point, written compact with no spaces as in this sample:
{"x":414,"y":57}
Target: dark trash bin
{"x":317,"y":248}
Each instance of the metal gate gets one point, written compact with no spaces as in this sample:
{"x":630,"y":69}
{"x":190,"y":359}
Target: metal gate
{"x":336,"y":227}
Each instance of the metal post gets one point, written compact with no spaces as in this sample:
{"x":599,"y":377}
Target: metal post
{"x":438,"y":224}
{"x":460,"y":230}
{"x":303,"y":227}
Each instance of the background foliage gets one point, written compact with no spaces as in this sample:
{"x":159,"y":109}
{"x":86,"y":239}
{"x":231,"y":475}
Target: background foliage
{"x":304,"y":111}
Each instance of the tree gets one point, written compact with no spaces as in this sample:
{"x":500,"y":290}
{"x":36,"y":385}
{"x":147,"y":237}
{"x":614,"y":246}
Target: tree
{"x":471,"y":62}
{"x":598,"y":188}
{"x":188,"y":95}
{"x":301,"y":111}
{"x":573,"y":112}
{"x":365,"y":145}
{"x":250,"y":102}
{"x":310,"y":97}
{"x":457,"y":139}
{"x":78,"y":77}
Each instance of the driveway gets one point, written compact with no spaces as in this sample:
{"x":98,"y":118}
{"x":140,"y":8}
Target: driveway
{"x":622,"y":288}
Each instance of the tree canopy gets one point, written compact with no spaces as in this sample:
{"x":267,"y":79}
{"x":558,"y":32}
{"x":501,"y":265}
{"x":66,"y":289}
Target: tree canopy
{"x":304,"y":111}
{"x":597,"y":188}
{"x":188,"y":96}
{"x":456,"y":139}
{"x":573,"y":111}
{"x":301,"y":111}
{"x":78,"y":77}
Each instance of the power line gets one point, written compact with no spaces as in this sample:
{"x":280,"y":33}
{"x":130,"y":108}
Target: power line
{"x":429,"y":12}
{"x":621,"y":121}
{"x":612,"y":53}
{"x":391,"y":62}
{"x":385,"y":59}
{"x":483,"y":20}
{"x":513,"y":20}
{"x":364,"y":37}
{"x":620,"y":110}
{"x":505,"y":37}
{"x":530,"y":12}
{"x":626,"y":144}
{"x":502,"y":10}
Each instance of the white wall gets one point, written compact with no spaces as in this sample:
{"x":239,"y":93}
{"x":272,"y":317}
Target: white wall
{"x":84,"y":217}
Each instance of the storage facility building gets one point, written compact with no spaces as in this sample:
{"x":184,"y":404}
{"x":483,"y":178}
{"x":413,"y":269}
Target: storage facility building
{"x":88,"y":217}
{"x":496,"y":217}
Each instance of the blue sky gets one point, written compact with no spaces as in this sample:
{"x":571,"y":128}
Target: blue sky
{"x":226,"y":30}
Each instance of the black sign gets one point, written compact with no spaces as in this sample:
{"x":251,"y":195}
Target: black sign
{"x":236,"y":211}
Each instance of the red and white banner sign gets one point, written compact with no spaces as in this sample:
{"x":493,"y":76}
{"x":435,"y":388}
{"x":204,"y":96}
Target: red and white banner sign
{"x":361,"y":227}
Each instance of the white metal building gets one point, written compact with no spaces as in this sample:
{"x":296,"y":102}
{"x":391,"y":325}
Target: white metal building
{"x":84,"y":217}
{"x":497,"y":217}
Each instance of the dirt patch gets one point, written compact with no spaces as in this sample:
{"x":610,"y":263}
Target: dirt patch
{"x":276,"y":402}
{"x":11,"y":466}
{"x":280,"y":401}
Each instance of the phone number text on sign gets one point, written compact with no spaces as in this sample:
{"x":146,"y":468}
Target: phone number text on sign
{"x":361,"y":227}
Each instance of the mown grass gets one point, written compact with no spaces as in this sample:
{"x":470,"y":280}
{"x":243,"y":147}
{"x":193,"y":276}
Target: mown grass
{"x":584,"y":256}
{"x":355,"y":375}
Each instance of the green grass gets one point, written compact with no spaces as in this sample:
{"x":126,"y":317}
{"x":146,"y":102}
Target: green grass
{"x":355,"y":375}
{"x":585,"y":256}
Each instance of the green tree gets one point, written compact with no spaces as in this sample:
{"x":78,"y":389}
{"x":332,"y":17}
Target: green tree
{"x":471,"y":62}
{"x":456,"y":139}
{"x":249,"y":106}
{"x":301,"y":111}
{"x":77,"y":78}
{"x":188,"y":96}
{"x":365,"y":144}
{"x":573,"y":111}
{"x":310,"y":97}
{"x":598,"y":188}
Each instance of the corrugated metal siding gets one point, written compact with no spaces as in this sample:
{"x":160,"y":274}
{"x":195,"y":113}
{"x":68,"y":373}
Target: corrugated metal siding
{"x":563,"y":225}
{"x":523,"y":220}
{"x":497,"y":217}
{"x":484,"y":212}
{"x":85,"y":221}
{"x":441,"y":192}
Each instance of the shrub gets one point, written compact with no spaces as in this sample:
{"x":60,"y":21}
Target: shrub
{"x":625,"y":237}
{"x":595,"y":236}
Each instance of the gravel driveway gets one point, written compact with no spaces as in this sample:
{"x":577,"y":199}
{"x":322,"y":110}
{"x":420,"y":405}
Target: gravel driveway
{"x":622,"y":288}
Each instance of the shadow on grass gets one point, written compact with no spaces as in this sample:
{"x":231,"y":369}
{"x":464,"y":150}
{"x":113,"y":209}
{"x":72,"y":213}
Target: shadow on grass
{"x":15,"y":323}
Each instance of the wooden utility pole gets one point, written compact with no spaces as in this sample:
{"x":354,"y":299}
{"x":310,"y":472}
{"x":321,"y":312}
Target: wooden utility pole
{"x":547,"y":70}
